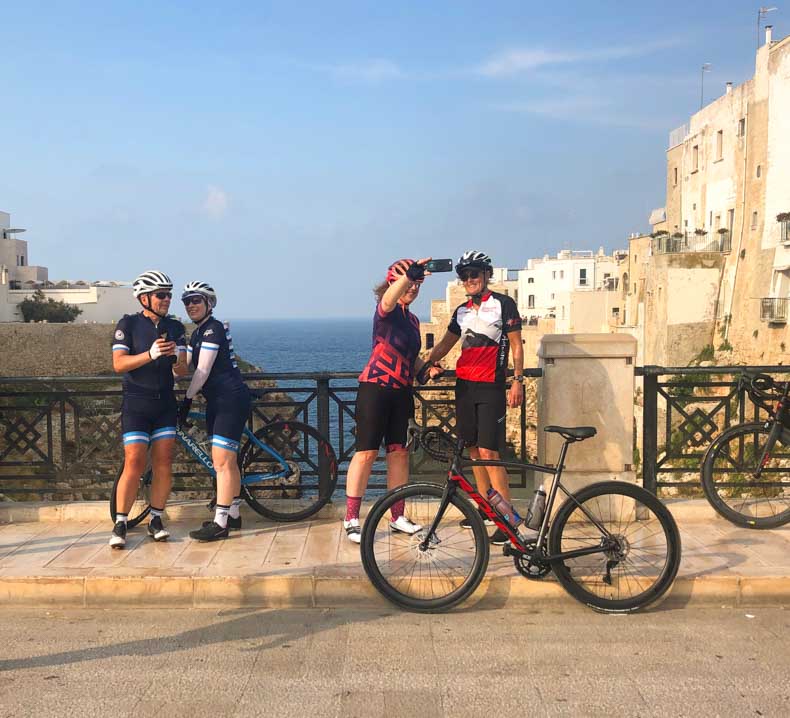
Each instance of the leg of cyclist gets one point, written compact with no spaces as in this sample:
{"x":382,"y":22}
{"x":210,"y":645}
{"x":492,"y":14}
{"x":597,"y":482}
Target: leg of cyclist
{"x":491,"y":415}
{"x":162,"y":448}
{"x":356,"y":482}
{"x":134,"y":458}
{"x":401,"y":410}
{"x":135,"y":453}
{"x":372,"y":414}
{"x":225,"y":420}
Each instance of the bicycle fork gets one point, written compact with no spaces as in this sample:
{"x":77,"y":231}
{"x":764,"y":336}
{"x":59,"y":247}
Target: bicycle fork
{"x":430,"y":536}
{"x":770,"y":442}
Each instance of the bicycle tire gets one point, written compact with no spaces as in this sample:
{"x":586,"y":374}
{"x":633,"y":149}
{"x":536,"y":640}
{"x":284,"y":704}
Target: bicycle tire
{"x":376,"y":540}
{"x":582,"y":577}
{"x":310,"y":456}
{"x":721,"y":478}
{"x":143,"y":495}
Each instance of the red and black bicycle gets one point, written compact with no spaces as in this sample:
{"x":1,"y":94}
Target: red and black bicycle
{"x":612,"y":545}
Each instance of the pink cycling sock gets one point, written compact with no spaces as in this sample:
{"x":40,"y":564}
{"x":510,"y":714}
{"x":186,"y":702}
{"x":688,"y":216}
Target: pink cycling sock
{"x":397,"y":509}
{"x":352,"y":507}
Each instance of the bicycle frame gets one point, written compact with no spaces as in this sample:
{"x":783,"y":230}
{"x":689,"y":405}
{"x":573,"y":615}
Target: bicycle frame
{"x":202,"y":456}
{"x":456,"y":480}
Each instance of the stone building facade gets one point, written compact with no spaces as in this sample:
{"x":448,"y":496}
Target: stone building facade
{"x":728,"y":199}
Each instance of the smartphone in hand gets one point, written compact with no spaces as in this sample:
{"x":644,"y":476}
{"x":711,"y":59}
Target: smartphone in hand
{"x":439,"y":265}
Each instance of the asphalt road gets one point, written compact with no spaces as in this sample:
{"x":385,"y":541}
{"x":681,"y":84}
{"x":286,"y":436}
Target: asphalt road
{"x":692,"y":662}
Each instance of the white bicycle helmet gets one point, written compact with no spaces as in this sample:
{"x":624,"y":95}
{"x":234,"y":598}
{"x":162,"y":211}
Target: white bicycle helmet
{"x":151,"y":281}
{"x":203,"y":289}
{"x":475,"y":259}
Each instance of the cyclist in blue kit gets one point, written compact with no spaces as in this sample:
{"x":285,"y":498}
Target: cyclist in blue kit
{"x":218,"y":378}
{"x":147,"y":349}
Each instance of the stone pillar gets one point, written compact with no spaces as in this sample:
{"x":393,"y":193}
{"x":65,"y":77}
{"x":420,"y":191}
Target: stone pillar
{"x":588,"y":380}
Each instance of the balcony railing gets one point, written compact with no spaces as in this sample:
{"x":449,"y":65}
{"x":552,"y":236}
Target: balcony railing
{"x":719,"y":242}
{"x":773,"y":309}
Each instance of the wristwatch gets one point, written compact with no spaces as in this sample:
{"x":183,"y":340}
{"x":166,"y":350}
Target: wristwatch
{"x":519,"y":378}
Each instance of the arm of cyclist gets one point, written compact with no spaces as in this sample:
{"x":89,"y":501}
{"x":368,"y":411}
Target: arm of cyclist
{"x":440,"y":350}
{"x":123,"y":361}
{"x":205,"y":364}
{"x":515,"y":394}
{"x":409,"y":272}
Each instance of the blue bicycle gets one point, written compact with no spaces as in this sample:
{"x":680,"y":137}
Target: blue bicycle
{"x":288,"y":470}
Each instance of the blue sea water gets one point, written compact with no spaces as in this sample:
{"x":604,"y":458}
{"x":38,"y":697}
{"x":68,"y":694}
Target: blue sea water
{"x":304,"y":345}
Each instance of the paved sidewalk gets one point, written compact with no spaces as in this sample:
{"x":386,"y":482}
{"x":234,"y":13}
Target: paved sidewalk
{"x":67,"y":562}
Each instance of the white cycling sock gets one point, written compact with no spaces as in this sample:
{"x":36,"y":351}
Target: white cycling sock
{"x":235,"y":508}
{"x":221,"y":515}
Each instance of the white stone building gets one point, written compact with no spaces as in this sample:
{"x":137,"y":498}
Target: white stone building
{"x":545,"y":282}
{"x":102,"y":301}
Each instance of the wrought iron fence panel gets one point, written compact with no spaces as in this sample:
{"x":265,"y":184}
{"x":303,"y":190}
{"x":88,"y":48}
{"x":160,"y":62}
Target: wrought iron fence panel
{"x":60,"y":438}
{"x":685,"y":409}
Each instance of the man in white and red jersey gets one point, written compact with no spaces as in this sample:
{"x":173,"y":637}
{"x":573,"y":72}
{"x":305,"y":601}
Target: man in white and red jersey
{"x":488,"y":325}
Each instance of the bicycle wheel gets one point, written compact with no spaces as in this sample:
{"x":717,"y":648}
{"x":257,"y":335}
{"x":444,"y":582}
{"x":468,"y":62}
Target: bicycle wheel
{"x":730,"y":482}
{"x":294,"y":490}
{"x":432,"y":579}
{"x":142,"y":503}
{"x":641,"y":565}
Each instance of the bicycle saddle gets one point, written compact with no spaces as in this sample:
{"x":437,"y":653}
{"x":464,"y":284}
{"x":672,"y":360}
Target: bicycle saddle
{"x":575,"y":433}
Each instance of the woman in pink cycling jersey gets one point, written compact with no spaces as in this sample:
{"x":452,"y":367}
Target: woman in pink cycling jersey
{"x":384,"y":401}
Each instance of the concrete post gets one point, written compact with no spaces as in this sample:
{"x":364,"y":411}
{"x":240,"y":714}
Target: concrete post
{"x":588,"y":380}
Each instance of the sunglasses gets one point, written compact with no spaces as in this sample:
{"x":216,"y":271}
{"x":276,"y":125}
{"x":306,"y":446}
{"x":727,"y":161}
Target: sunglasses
{"x":193,"y":300}
{"x":163,"y":295}
{"x":471,"y":274}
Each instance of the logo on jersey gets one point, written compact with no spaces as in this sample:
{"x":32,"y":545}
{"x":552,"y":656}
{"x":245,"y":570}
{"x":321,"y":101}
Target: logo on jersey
{"x":208,"y":332}
{"x":119,"y":334}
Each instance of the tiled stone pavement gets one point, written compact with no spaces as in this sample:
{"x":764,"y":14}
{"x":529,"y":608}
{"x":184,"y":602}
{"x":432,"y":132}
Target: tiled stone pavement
{"x":68,"y":562}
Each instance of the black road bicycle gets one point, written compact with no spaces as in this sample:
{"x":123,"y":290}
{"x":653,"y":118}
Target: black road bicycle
{"x":612,"y":545}
{"x":746,"y":471}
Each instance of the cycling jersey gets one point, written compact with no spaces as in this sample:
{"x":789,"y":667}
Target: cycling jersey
{"x":483,"y":332}
{"x":135,"y":334}
{"x":396,"y":344}
{"x":224,"y":377}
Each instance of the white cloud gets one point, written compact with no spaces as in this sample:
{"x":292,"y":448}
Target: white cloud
{"x":369,"y":71}
{"x":215,"y":205}
{"x":512,"y":62}
{"x":520,"y":60}
{"x":583,"y":110}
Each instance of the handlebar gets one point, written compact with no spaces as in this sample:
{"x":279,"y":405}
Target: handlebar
{"x":437,"y":443}
{"x":764,"y":390}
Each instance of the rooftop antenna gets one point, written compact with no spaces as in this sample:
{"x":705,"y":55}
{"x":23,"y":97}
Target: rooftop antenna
{"x":761,"y":13}
{"x":705,"y":68}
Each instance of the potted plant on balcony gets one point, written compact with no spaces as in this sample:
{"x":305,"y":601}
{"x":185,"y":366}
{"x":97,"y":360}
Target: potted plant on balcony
{"x":723,"y":230}
{"x":783,"y":217}
{"x":700,"y":232}
{"x":677,"y":235}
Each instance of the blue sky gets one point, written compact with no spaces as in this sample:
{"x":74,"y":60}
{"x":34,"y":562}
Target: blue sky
{"x":287,"y":152}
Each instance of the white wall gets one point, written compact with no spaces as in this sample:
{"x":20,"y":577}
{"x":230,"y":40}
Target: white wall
{"x":98,"y":304}
{"x":555,"y":276}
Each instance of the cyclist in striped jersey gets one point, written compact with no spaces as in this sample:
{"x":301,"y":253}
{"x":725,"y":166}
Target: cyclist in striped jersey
{"x":218,"y":378}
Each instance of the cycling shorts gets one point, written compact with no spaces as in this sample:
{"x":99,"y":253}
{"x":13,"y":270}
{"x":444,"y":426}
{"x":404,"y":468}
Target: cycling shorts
{"x":480,"y":412}
{"x":382,"y":414}
{"x":145,"y":419}
{"x":226,"y":417}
